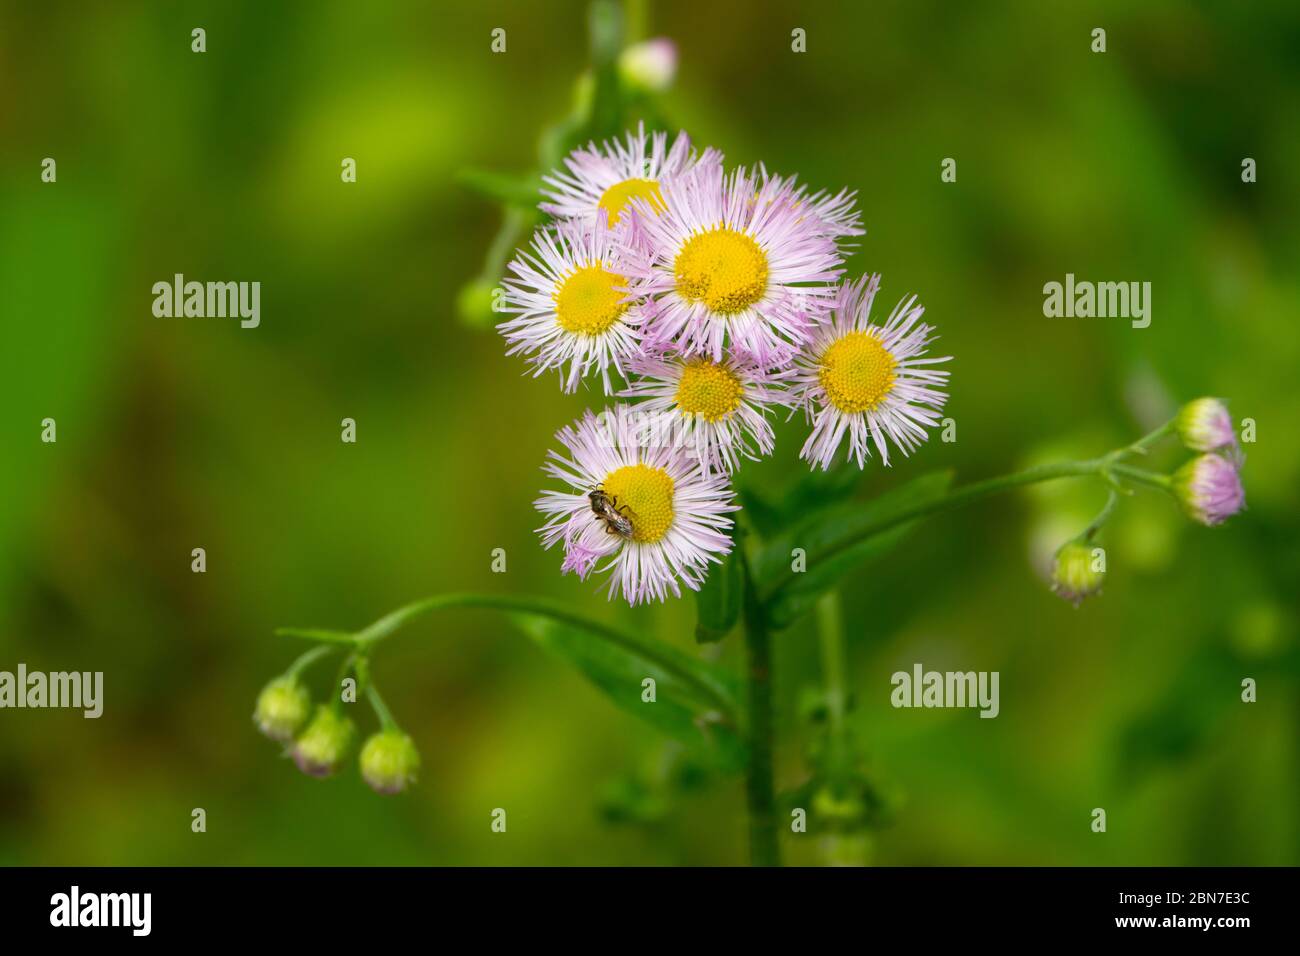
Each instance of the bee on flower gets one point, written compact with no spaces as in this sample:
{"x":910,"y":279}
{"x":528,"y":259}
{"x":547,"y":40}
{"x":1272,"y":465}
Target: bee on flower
{"x":648,"y":509}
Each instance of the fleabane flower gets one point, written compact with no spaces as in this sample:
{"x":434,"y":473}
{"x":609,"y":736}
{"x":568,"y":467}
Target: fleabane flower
{"x":717,"y":410}
{"x":869,"y":382}
{"x":1205,"y":425}
{"x":1209,"y":489}
{"x":572,"y":311}
{"x":609,"y":177}
{"x":731,"y":261}
{"x":645,"y":507}
{"x":836,"y":213}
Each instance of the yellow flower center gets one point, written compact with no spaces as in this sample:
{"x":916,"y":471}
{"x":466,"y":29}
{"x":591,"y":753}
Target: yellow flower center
{"x":724,"y":269}
{"x":589,"y":301}
{"x":645,"y":495}
{"x":857,"y":372}
{"x":617,"y":196}
{"x":708,"y":389}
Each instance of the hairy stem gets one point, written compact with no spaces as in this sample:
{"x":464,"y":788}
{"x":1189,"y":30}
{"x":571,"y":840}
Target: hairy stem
{"x":716,"y":693}
{"x":1103,"y":467}
{"x":830,"y":635}
{"x":764,"y":848}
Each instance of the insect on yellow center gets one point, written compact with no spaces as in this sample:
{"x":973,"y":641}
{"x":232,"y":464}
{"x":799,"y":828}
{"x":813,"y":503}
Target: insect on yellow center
{"x":857,"y":372}
{"x":645,"y":496}
{"x":616,"y":197}
{"x":589,"y":301}
{"x":723,"y":268}
{"x":708,"y":389}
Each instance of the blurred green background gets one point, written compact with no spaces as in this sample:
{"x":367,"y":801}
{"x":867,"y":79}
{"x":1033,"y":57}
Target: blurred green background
{"x":184,"y":433}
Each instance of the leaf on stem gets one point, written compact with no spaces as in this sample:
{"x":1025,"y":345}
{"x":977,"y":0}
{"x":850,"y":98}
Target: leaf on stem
{"x":833,"y":542}
{"x":815,"y":490}
{"x":685,"y":705}
{"x":719,"y":599}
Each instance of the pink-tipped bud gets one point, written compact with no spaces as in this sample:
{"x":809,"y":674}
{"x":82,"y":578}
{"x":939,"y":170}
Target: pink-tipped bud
{"x":1209,"y":489}
{"x":1205,"y":425}
{"x":282,"y":708}
{"x":321,"y":748}
{"x":1079,"y":572}
{"x":389,"y":761}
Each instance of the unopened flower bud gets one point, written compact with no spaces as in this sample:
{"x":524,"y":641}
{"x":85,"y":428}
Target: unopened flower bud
{"x":320,"y":749}
{"x":650,"y":66}
{"x":1209,"y":489}
{"x":389,"y":761}
{"x":1205,"y":425}
{"x":1079,"y":572}
{"x":282,"y":707}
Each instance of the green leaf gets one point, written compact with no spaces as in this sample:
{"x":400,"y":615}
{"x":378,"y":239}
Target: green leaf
{"x":686,"y":705}
{"x":718,"y":600}
{"x":837,"y":540}
{"x":522,"y":191}
{"x":814,"y":491}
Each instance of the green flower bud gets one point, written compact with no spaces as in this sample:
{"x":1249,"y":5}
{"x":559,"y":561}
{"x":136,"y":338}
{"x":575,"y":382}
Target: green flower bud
{"x":389,"y":761}
{"x":475,"y":302}
{"x":282,"y":707}
{"x":320,"y":749}
{"x":1078,"y":572}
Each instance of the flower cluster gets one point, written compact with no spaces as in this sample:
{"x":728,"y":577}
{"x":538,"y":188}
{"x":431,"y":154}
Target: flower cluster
{"x":708,"y":298}
{"x":1207,"y":487}
{"x":320,"y":745}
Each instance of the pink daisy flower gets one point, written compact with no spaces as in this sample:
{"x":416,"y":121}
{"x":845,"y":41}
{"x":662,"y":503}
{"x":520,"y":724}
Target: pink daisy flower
{"x":610,"y":177}
{"x":731,"y":261}
{"x":869,"y":382}
{"x":837,"y":212}
{"x":571,"y":305}
{"x":648,"y":510}
{"x":717,"y":410}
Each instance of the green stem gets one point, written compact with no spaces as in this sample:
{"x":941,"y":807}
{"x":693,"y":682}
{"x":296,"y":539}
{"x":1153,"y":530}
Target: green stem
{"x":715,"y":693}
{"x":385,"y":715}
{"x":983,"y":489}
{"x":764,"y":847}
{"x":1140,"y":446}
{"x":830,"y":635}
{"x":305,"y":661}
{"x":1142,"y":476}
{"x":1103,"y":516}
